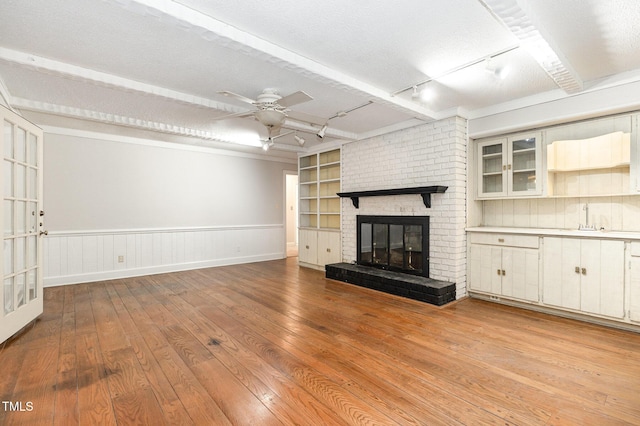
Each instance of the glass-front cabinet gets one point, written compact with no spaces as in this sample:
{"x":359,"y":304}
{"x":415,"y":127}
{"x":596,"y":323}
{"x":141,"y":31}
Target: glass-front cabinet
{"x":510,"y":167}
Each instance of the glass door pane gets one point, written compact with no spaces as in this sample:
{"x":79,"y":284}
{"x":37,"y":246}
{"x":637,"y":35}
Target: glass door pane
{"x":523,"y":170}
{"x":8,"y":295}
{"x":396,"y":246}
{"x":492,"y":168}
{"x":366,"y":243}
{"x":413,"y":244}
{"x":380,"y":244}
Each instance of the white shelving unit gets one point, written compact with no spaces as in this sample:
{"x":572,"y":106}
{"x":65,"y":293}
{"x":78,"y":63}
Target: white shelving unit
{"x":319,"y":205}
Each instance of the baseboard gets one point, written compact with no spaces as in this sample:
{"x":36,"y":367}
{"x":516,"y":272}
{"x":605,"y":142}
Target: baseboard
{"x":159,"y":269}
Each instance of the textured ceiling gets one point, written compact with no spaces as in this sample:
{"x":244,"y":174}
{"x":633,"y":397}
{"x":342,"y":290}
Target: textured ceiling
{"x":159,"y":65}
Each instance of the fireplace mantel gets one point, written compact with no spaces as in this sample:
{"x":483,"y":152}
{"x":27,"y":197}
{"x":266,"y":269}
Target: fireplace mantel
{"x":424,"y":191}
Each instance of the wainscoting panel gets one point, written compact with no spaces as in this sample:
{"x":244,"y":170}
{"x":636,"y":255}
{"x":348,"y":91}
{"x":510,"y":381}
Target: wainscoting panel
{"x":85,"y":256}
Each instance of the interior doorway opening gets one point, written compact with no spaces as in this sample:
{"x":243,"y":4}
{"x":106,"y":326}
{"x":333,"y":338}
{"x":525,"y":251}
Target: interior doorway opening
{"x":291,"y":213}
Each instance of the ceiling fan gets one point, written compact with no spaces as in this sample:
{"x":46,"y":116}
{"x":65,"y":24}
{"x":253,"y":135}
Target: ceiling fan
{"x":272,"y":109}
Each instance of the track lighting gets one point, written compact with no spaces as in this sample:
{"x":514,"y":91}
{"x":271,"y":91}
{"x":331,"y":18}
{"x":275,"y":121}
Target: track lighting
{"x":322,"y":131}
{"x":415,"y":95}
{"x":499,"y":72}
{"x":267,"y":144}
{"x":299,"y":140}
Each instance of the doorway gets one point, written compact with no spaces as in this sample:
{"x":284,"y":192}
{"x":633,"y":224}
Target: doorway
{"x":291,"y":213}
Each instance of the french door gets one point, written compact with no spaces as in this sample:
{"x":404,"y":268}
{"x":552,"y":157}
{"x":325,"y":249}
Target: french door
{"x":21,"y":217}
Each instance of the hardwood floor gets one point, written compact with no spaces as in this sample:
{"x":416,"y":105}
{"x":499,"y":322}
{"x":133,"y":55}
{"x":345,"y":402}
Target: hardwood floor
{"x":270,"y":343}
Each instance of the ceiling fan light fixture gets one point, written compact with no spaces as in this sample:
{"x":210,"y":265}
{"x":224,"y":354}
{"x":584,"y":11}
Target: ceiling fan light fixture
{"x":270,"y":117}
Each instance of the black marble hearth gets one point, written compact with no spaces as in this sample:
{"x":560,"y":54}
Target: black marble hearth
{"x":411,"y":286}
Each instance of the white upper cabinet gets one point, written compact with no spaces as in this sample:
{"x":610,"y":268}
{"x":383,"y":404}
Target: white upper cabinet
{"x":510,"y":167}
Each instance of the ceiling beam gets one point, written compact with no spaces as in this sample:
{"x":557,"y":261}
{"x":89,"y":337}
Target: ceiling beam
{"x":211,"y":29}
{"x":120,"y":120}
{"x":99,"y":78}
{"x":4,"y":92}
{"x":520,"y":20}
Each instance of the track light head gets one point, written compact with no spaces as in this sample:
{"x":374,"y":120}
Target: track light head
{"x":415,"y":95}
{"x":267,"y":144}
{"x":299,"y":140}
{"x":322,"y":131}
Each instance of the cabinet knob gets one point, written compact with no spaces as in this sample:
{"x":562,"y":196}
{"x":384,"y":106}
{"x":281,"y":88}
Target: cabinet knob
{"x":498,"y":271}
{"x":584,"y":271}
{"x":328,"y":250}
{"x":577,"y":269}
{"x":501,"y":240}
{"x":503,"y":273}
{"x":307,"y":247}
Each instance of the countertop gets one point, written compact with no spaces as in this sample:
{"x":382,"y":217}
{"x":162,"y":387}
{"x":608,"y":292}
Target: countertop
{"x":614,"y":235}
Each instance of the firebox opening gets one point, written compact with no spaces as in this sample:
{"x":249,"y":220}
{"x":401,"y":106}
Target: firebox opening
{"x":394,"y":243}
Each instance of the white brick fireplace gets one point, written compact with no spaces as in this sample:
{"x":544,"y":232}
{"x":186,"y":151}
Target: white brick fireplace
{"x":425,"y":155}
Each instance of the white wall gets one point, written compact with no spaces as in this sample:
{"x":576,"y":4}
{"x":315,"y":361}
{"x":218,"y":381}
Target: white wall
{"x":430,"y":154}
{"x":117,"y":209}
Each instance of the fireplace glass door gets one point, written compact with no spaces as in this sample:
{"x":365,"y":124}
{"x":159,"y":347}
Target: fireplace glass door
{"x":396,"y":243}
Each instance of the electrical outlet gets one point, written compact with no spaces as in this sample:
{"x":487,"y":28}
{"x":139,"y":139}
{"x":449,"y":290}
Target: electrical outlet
{"x":120,"y":259}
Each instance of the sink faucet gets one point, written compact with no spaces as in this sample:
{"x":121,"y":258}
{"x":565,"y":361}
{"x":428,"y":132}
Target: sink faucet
{"x":586,"y":227}
{"x":586,"y":209}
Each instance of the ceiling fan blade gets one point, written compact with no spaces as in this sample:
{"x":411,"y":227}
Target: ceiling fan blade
{"x":294,"y":99}
{"x":238,"y":97}
{"x":236,"y":115}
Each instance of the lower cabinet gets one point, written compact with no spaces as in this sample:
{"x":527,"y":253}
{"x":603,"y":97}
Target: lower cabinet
{"x":586,"y":275}
{"x":318,"y":248}
{"x":501,"y":270}
{"x":594,"y":276}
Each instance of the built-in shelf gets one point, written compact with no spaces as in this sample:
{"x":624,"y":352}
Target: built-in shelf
{"x":424,"y":191}
{"x":598,"y":166}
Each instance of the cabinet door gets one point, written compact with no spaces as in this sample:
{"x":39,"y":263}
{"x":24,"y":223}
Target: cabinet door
{"x":328,"y":247}
{"x":308,"y":248}
{"x":523,"y":168}
{"x":602,"y":277}
{"x":485,"y":269}
{"x":492,"y":165}
{"x":561,"y":282}
{"x":520,"y":280}
{"x":634,"y":291}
